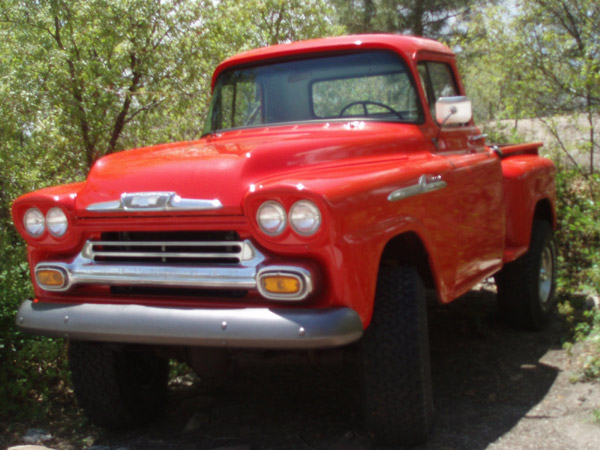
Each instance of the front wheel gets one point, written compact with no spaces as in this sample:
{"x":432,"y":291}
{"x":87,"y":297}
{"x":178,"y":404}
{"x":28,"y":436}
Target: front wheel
{"x":526,"y":286}
{"x":397,"y":393}
{"x":118,"y":387}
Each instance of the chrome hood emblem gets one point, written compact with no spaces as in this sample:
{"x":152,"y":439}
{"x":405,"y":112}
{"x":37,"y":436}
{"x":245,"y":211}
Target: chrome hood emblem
{"x":155,"y":201}
{"x":146,"y":200}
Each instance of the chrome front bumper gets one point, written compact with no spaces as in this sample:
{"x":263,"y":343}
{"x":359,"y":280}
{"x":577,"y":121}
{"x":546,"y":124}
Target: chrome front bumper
{"x":259,"y":328}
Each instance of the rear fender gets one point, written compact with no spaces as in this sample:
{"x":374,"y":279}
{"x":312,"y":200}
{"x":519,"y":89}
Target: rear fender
{"x":530,"y":191}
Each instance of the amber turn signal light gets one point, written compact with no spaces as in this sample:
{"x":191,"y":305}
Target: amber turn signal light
{"x":281,"y":284}
{"x":51,"y":278}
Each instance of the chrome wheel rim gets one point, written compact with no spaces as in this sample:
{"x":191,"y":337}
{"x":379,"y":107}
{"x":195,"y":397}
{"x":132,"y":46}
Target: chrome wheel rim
{"x":545,"y":277}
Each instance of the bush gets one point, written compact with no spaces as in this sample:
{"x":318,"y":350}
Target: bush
{"x":32,"y":369}
{"x":578,"y":235}
{"x":578,"y":240}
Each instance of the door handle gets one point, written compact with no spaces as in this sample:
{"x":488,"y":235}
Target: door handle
{"x":426,"y":183}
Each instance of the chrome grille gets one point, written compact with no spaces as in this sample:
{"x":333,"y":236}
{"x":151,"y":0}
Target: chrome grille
{"x":173,"y":252}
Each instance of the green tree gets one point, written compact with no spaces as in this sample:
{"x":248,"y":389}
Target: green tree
{"x":417,"y":17}
{"x":540,"y":60}
{"x":258,"y":23}
{"x":115,"y":74}
{"x":561,"y":46}
{"x":101,"y":63}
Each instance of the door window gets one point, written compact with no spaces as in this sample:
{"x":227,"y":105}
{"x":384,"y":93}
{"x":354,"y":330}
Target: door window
{"x":437,"y":81}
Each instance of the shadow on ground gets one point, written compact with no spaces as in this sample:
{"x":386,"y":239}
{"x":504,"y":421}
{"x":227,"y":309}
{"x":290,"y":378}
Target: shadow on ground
{"x":486,"y":378}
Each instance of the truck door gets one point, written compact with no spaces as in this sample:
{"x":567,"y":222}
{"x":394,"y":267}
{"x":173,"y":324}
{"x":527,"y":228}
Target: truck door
{"x":476,"y":178}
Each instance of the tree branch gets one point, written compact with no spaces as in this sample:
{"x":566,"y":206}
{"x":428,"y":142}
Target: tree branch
{"x":77,"y":89}
{"x":147,"y":107}
{"x":562,"y":146}
{"x":120,"y":121}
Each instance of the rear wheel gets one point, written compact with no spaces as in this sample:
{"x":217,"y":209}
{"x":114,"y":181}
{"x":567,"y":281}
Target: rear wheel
{"x":526,"y":286}
{"x":397,"y":394}
{"x":118,"y":387}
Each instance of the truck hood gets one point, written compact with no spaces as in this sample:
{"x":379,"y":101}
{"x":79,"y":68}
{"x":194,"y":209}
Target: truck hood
{"x":219,"y":170}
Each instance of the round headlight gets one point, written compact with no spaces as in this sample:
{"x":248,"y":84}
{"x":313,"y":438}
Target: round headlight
{"x":57,"y":222}
{"x":33,"y":221}
{"x":271,"y":218}
{"x":305,"y":217}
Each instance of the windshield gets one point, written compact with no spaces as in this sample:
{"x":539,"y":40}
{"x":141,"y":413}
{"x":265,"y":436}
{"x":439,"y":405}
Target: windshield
{"x":371,"y":85}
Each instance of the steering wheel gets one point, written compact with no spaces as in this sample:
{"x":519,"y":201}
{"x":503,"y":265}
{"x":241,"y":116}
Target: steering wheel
{"x":364,"y":104}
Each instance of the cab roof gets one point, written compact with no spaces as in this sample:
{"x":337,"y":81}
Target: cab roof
{"x":407,"y":46}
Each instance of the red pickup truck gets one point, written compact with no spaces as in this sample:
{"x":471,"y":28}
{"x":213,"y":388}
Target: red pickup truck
{"x":335,"y":181}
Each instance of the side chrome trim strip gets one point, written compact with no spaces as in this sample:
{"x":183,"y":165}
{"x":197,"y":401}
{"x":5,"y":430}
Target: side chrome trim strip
{"x":237,"y":328}
{"x":426,"y":183}
{"x":155,"y":201}
{"x":478,"y":137}
{"x":105,"y":206}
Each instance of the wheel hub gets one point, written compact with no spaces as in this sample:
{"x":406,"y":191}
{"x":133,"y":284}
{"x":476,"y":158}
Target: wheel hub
{"x":545,"y":277}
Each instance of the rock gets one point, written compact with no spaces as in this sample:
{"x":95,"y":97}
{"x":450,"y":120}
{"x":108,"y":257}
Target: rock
{"x":347,"y":442}
{"x":587,"y":300}
{"x":234,"y":447}
{"x":592,"y":301}
{"x":198,"y":420}
{"x":36,"y":436}
{"x":29,"y":447}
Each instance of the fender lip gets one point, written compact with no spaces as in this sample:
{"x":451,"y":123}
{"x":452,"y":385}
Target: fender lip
{"x":259,"y":328}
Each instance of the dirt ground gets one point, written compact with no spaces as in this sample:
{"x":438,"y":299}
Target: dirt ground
{"x":495,"y":388}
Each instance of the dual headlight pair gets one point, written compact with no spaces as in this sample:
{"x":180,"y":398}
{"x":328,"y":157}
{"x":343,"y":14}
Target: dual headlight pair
{"x":55,"y":221}
{"x":304,"y":218}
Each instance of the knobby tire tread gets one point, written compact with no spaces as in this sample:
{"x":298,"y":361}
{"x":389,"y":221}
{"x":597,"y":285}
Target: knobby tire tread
{"x":104,"y":390}
{"x":396,"y":371}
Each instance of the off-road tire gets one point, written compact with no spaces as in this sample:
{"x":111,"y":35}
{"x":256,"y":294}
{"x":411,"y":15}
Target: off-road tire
{"x":396,"y":375}
{"x":520,"y":300}
{"x":118,"y":387}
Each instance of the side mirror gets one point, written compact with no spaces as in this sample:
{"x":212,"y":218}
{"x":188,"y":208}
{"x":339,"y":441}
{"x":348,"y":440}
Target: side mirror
{"x":453,"y":110}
